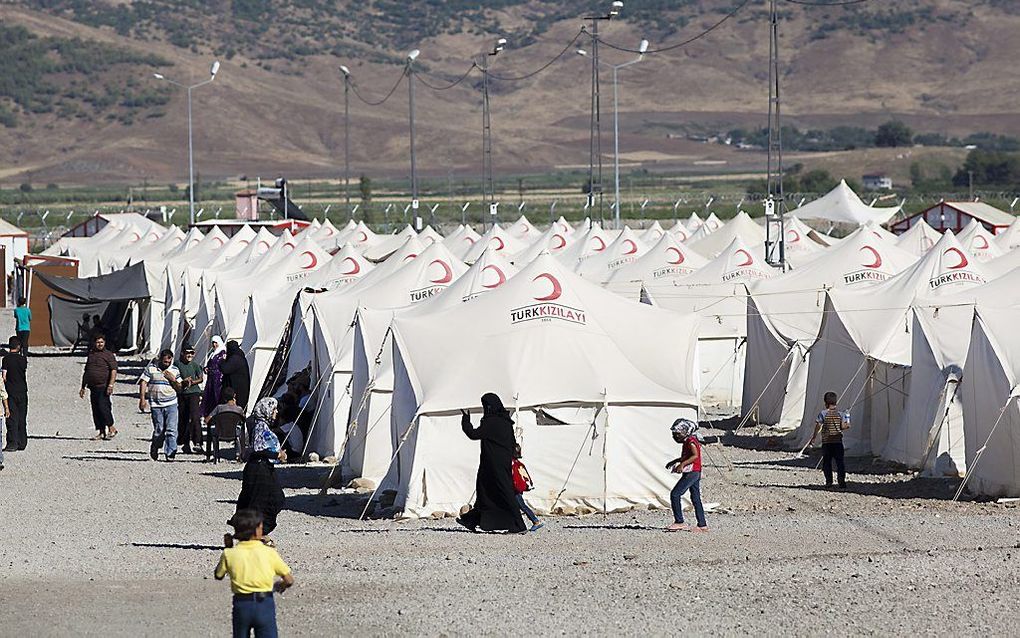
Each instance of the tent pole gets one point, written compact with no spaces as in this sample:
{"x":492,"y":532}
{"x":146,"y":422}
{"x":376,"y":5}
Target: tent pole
{"x":977,"y":455}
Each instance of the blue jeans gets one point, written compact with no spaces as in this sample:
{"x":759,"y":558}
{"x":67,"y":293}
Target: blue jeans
{"x":525,"y":509}
{"x":688,"y":481}
{"x":164,"y":427}
{"x":259,"y":615}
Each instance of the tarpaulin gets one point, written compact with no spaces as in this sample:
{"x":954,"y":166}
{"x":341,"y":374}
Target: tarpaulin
{"x":121,"y":285}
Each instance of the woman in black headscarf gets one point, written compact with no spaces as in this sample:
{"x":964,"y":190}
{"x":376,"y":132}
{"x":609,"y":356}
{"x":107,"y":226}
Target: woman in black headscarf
{"x":236,"y":374}
{"x":259,"y":488}
{"x":495,"y":506}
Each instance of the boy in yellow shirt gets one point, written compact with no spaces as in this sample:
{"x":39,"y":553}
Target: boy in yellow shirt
{"x":253,"y":568}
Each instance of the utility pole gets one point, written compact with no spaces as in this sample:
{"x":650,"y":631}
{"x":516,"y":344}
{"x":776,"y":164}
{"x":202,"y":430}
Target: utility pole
{"x":595,"y":141}
{"x":775,"y":201}
{"x":347,"y":134}
{"x":488,"y":189}
{"x":414,"y":168}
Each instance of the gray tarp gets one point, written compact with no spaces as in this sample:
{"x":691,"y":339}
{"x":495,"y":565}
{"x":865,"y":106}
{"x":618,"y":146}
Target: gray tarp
{"x":122,"y":285}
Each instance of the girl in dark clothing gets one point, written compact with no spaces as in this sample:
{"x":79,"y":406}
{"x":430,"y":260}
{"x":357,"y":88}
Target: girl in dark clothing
{"x":236,"y":374}
{"x":259,"y":489}
{"x":495,"y":506}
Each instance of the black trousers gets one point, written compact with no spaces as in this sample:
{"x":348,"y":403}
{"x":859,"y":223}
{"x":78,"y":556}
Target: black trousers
{"x":833,"y":452}
{"x":102,"y":410}
{"x":17,"y":428}
{"x":23,"y":335}
{"x":189,"y":423}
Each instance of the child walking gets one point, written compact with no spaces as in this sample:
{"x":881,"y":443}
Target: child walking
{"x":522,"y":484}
{"x":253,"y":568}
{"x":832,"y":423}
{"x":688,"y":466}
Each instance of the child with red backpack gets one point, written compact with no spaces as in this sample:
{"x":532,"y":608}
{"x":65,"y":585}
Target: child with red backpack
{"x":522,"y":484}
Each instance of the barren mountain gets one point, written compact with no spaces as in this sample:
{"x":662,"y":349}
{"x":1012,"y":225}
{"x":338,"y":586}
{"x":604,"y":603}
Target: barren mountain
{"x":79,"y":103}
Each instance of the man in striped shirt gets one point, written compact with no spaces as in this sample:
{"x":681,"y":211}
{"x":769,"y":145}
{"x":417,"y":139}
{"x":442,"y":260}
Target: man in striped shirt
{"x":831,"y":423}
{"x":160,"y":383}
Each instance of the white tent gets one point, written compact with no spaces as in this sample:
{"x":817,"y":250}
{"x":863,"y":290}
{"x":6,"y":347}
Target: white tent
{"x":429,"y":235}
{"x":561,"y":225}
{"x":667,"y":260}
{"x":784,"y":314}
{"x":651,"y":235}
{"x":460,"y":241}
{"x":548,"y":342}
{"x":552,"y":241}
{"x":841,"y":205}
{"x":592,"y":241}
{"x":413,"y":279}
{"x":741,"y":227}
{"x":497,"y":240}
{"x":359,"y":235}
{"x":385,"y":245}
{"x":680,"y":231}
{"x":369,"y":444}
{"x":1009,"y":239}
{"x":694,"y":222}
{"x":863,"y":348}
{"x":802,"y":241}
{"x":343,"y":269}
{"x":979,"y":242}
{"x":1002,"y":265}
{"x":991,"y":404}
{"x":717,"y":293}
{"x":625,"y":250}
{"x":919,"y":238}
{"x":930,"y":435}
{"x":523,"y":229}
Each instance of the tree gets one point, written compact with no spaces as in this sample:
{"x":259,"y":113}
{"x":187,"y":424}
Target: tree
{"x":365,"y":188}
{"x":893,"y":133}
{"x":993,"y":168}
{"x":817,"y":181}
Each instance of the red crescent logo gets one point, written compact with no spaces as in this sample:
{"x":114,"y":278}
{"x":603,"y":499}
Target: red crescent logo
{"x":794,"y":236}
{"x":980,"y":242}
{"x":713,"y":225}
{"x":633,"y":247}
{"x":963,"y":258}
{"x":927,"y":242}
{"x":330,"y":232}
{"x":562,"y":241}
{"x":153,"y":236}
{"x":602,"y":245}
{"x":313,"y":261}
{"x":878,"y":258}
{"x":430,"y":240}
{"x":411,"y":256}
{"x":875,"y":233}
{"x":219,"y":242}
{"x":245,"y":242}
{"x":137,"y":236}
{"x":524,"y":229}
{"x":363,"y":236}
{"x":682,"y":235}
{"x":263,"y":242}
{"x":447,"y":272}
{"x":469,"y":240}
{"x":178,"y":240}
{"x":499,"y":273}
{"x":747,"y":255}
{"x":355,"y":266}
{"x":679,"y":255}
{"x":289,"y":246}
{"x":501,"y":244}
{"x":556,"y":289}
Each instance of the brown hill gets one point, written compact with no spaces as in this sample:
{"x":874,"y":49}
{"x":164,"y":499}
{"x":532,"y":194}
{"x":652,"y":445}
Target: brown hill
{"x":948,"y":67}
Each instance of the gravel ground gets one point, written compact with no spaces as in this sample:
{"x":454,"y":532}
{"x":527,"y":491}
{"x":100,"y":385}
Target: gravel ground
{"x":96,"y":539}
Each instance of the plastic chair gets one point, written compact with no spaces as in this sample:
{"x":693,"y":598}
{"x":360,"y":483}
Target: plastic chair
{"x":225,"y":426}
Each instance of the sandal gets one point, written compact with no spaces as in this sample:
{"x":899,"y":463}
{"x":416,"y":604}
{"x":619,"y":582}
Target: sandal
{"x":678,"y":527}
{"x":113,"y":433}
{"x":98,"y":437}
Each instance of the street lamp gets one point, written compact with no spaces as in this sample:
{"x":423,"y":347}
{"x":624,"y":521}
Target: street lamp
{"x":488,"y":190}
{"x":616,"y":120}
{"x":347,"y":133}
{"x":595,"y":142}
{"x":409,"y":69}
{"x":191,"y":154}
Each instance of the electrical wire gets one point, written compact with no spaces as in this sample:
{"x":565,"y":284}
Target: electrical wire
{"x":544,"y":66}
{"x":463,"y":77}
{"x":354,"y":88}
{"x":841,"y":3}
{"x":690,"y":39}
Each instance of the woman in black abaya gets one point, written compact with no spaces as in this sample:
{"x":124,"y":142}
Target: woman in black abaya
{"x":495,"y":506}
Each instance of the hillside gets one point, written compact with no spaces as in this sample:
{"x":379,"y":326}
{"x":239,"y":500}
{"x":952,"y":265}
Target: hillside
{"x":78,"y":102}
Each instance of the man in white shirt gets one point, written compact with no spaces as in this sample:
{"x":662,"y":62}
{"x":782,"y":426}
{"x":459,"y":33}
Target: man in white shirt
{"x":160,"y":383}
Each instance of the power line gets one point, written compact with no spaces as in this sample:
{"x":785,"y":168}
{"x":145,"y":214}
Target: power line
{"x":692,"y":38}
{"x":541,"y":68}
{"x":448,"y":86}
{"x":354,"y":88}
{"x":841,"y":3}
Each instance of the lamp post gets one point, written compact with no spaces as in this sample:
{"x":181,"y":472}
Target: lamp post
{"x":616,"y":120}
{"x":488,"y":190}
{"x":595,"y":143}
{"x":191,"y":154}
{"x":409,"y":69}
{"x":347,"y":134}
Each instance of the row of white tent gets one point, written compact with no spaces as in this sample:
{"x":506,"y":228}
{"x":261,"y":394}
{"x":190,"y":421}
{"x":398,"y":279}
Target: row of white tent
{"x":398,"y":346}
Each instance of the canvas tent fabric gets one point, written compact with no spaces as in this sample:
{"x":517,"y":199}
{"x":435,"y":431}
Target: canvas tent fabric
{"x":919,"y":238}
{"x":547,"y":338}
{"x":979,"y":242}
{"x":841,"y":205}
{"x":523,"y":229}
{"x":991,"y":405}
{"x":784,"y":314}
{"x":552,"y":241}
{"x":651,"y":235}
{"x":592,"y":241}
{"x":460,"y":241}
{"x":625,"y":250}
{"x":495,"y":239}
{"x":1009,"y":238}
{"x":667,"y":260}
{"x":741,"y":227}
{"x":385,"y":245}
{"x":863,"y":347}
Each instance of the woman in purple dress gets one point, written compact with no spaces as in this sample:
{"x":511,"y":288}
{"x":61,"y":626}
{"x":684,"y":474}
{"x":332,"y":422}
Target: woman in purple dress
{"x":214,"y":378}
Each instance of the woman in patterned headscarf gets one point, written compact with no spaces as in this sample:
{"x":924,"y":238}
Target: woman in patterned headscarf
{"x":259,"y":489}
{"x":688,"y":466}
